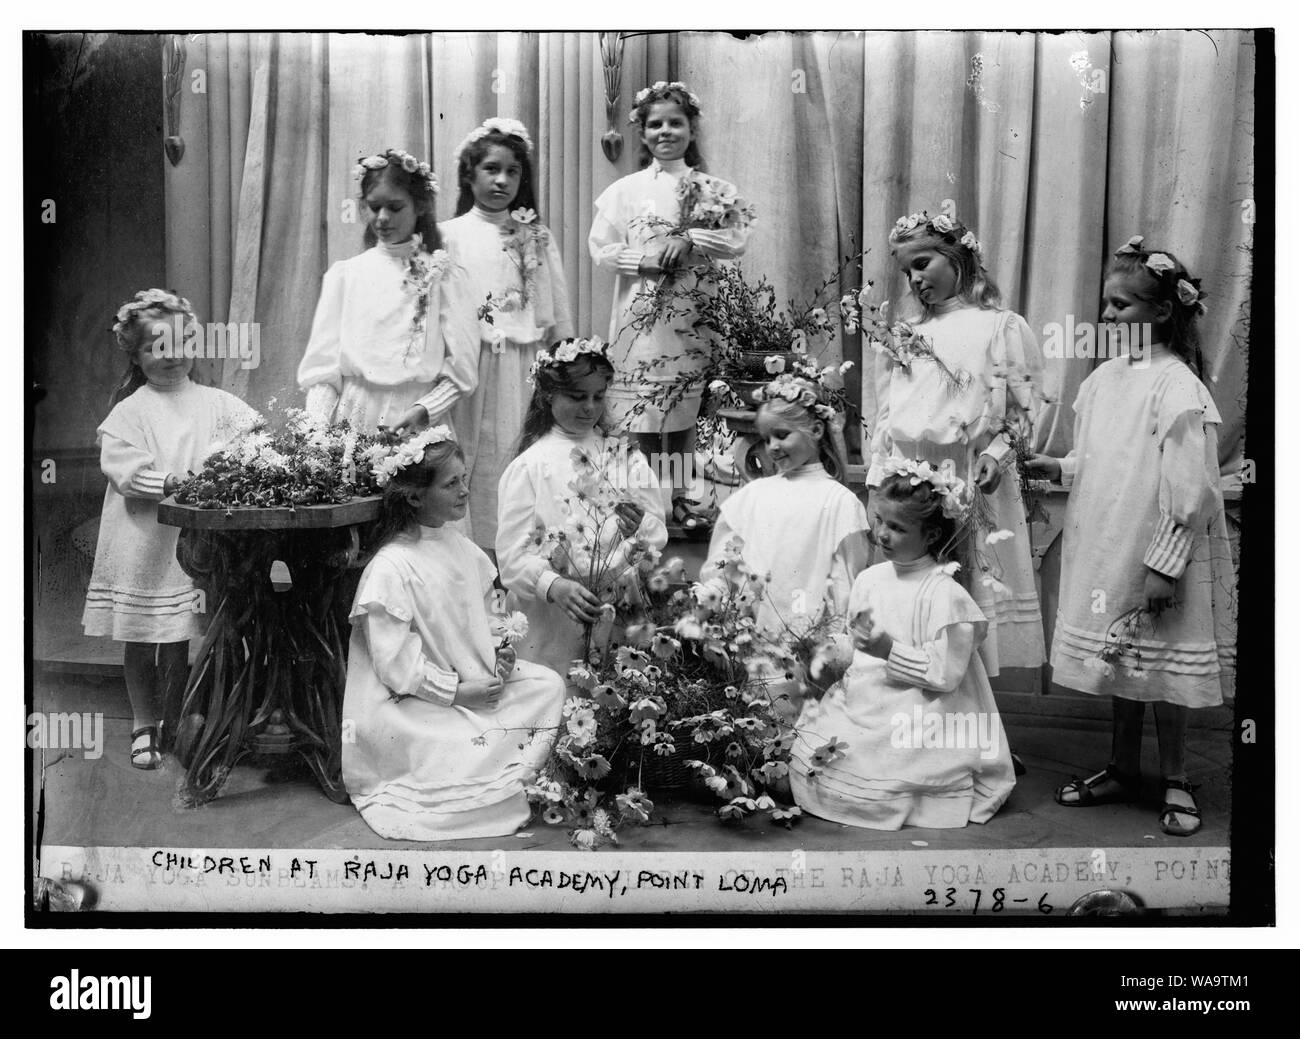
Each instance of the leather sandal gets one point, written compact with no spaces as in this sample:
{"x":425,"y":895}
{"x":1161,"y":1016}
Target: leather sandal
{"x":1169,"y":809}
{"x":147,"y":756}
{"x":1129,"y":789}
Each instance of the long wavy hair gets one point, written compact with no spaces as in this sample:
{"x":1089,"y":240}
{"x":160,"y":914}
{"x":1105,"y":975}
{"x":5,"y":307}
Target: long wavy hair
{"x":550,"y":380}
{"x":974,"y":283}
{"x":683,"y":101}
{"x":426,"y":223}
{"x":922,"y":504}
{"x":397,"y":515}
{"x":474,"y":153}
{"x":800,"y":418}
{"x":1181,"y":333}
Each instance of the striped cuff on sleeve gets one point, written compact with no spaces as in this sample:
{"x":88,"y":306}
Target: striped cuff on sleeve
{"x":439,"y":400}
{"x":629,"y":261}
{"x":148,"y":483}
{"x":1170,"y":548}
{"x":438,"y":686}
{"x":907,"y":664}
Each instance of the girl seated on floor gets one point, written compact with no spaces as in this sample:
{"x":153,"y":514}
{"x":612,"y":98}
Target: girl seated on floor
{"x":910,"y":735}
{"x":448,"y":726}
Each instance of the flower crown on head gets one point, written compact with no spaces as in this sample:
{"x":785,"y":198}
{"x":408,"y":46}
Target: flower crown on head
{"x":1187,"y":288}
{"x":569,"y":350}
{"x":409,"y":452}
{"x":796,"y":389}
{"x":659,"y":91}
{"x":946,"y":484}
{"x":148,"y":299}
{"x":502,"y":125}
{"x":397,"y":157}
{"x":940,"y":225}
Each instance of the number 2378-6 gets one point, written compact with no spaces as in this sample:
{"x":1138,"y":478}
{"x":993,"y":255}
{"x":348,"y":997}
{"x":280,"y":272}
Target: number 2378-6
{"x":996,"y":904}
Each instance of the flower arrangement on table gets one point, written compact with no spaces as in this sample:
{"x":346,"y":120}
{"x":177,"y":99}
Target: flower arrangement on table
{"x":743,"y":337}
{"x":307,"y":461}
{"x":696,"y":685}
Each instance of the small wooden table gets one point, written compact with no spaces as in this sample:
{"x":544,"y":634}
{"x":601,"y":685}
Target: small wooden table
{"x":270,"y":672}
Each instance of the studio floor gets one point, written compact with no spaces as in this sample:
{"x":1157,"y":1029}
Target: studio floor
{"x":275,"y":804}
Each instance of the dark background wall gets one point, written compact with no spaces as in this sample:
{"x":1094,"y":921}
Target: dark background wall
{"x":93,"y":112}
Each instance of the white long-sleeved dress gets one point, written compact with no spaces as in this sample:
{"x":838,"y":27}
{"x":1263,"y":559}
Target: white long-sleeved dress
{"x":617,"y":242}
{"x":138,"y":591}
{"x":420,"y":767}
{"x":532,"y":492}
{"x":366,"y":363}
{"x":923,"y":743}
{"x":805,"y":529}
{"x":489,"y":420}
{"x":923,"y":417}
{"x":1144,"y":493}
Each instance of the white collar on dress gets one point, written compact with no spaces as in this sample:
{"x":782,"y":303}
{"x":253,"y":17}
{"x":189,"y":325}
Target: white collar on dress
{"x":500,"y":218}
{"x":675,"y":167}
{"x":401,"y":250}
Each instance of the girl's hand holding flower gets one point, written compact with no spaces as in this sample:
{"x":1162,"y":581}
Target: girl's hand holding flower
{"x":1045,"y":467}
{"x":630,"y":515}
{"x":868,"y":638}
{"x":676,"y":252}
{"x":1158,"y":590}
{"x":987,"y":474}
{"x":479,"y":693}
{"x":415,"y":419}
{"x":576,"y":601}
{"x":506,"y":659}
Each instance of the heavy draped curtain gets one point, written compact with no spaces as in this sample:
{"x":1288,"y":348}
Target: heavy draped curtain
{"x":1054,"y":147}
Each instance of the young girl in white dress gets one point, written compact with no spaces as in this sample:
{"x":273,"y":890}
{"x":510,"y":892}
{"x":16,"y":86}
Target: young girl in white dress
{"x":394,"y":342}
{"x":961,"y":406}
{"x":566,"y":418}
{"x":516,"y":279}
{"x":162,"y":425}
{"x":911,"y":734}
{"x":448,"y":727}
{"x":801,"y":526}
{"x":668,"y":116}
{"x":1145,"y":537}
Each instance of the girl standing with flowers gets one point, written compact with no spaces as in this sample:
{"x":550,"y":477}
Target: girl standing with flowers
{"x":161,"y":426}
{"x":439,"y":709}
{"x":1147,"y":597}
{"x":961,"y":388}
{"x":516,"y":277}
{"x":573,"y":501}
{"x":801,"y":526}
{"x":395,"y":340}
{"x":650,"y":226}
{"x":911,"y":735}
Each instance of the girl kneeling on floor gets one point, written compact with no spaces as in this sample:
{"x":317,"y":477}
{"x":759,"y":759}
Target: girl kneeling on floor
{"x":910,"y":735}
{"x":448,"y":727}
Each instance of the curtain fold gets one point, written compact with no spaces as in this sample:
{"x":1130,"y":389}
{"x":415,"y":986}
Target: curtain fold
{"x":1054,"y":147}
